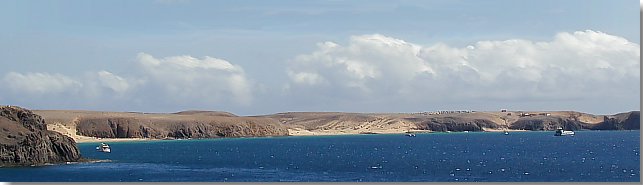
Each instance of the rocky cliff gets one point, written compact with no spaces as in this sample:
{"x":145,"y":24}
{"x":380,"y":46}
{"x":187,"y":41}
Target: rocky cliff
{"x":622,"y":121}
{"x":547,"y":123}
{"x":443,"y":124}
{"x":212,"y":124}
{"x":337,"y":122}
{"x":209,"y":127}
{"x":24,"y":140}
{"x":187,"y":124}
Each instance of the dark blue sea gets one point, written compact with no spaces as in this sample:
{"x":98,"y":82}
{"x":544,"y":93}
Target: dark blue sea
{"x":596,"y":156}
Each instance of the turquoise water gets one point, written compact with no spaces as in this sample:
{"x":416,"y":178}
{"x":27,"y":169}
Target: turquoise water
{"x":442,"y":157}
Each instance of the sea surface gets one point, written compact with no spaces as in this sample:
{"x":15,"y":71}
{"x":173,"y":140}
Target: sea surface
{"x":594,"y":156}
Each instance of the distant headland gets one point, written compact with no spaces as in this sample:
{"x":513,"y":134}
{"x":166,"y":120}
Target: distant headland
{"x":93,"y":126}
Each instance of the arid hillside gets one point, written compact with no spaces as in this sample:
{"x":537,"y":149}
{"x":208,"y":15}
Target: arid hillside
{"x":189,"y":124}
{"x":331,"y":123}
{"x":88,"y":125}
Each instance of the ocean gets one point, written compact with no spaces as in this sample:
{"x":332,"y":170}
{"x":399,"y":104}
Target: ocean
{"x":589,"y":156}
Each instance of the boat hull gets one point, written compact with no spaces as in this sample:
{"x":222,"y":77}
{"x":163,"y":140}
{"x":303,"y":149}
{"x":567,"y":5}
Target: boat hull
{"x":564,"y":133}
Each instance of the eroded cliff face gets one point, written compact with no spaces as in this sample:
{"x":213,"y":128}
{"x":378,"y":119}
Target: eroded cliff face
{"x":623,"y":121}
{"x":213,"y":124}
{"x":178,"y":127}
{"x":442,"y":124}
{"x":25,"y":140}
{"x":547,"y":123}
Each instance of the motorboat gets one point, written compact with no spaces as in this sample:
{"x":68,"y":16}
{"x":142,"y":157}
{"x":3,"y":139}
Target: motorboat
{"x":410,"y":135}
{"x":561,"y":132}
{"x":103,"y":147}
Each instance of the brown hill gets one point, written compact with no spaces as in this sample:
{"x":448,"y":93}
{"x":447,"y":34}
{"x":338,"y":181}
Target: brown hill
{"x":325,"y":123}
{"x":188,"y":124}
{"x":206,"y":113}
{"x":622,"y":121}
{"x":212,"y":124}
{"x":329,"y":123}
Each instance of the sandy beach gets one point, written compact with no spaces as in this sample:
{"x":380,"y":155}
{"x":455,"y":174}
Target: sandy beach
{"x":303,"y":132}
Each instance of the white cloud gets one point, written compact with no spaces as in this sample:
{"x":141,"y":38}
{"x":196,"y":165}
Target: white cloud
{"x":368,"y":73}
{"x":176,"y":81}
{"x":40,"y":83}
{"x":305,"y":78}
{"x":583,"y":64}
{"x":114,"y":82}
{"x":185,"y":78}
{"x":367,"y":59}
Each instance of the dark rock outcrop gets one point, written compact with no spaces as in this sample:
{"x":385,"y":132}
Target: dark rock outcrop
{"x":623,"y":121}
{"x":25,"y":140}
{"x":547,"y":123}
{"x":442,"y":124}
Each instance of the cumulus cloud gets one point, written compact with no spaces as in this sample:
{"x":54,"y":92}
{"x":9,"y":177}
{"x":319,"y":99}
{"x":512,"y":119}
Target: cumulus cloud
{"x":175,"y":81}
{"x":367,"y":73}
{"x":91,"y":86}
{"x":40,"y":83}
{"x":185,"y":78}
{"x":578,"y":65}
{"x":114,"y":82}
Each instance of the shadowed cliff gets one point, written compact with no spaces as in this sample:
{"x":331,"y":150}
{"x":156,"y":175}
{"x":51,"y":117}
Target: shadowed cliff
{"x":622,"y":121}
{"x":25,"y":140}
{"x":187,"y":124}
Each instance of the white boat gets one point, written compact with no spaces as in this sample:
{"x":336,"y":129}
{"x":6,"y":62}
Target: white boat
{"x":410,"y":135}
{"x":561,"y":132}
{"x":104,"y":148}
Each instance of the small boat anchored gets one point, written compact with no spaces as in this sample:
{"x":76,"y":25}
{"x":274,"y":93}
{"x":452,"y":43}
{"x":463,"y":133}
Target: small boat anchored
{"x":561,"y":132}
{"x":104,"y":148}
{"x":410,"y":135}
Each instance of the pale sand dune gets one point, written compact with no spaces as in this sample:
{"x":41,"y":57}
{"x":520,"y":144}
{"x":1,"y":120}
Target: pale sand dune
{"x":71,"y":132}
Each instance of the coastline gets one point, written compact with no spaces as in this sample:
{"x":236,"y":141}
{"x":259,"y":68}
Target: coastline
{"x":311,"y":123}
{"x":84,"y":139}
{"x":302,"y":132}
{"x":292,"y":132}
{"x":99,"y":140}
{"x":71,"y":132}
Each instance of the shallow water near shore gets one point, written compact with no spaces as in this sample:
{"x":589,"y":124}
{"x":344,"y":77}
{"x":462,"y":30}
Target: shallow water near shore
{"x":590,"y":156}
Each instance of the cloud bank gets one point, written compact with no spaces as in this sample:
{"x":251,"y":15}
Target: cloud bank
{"x":181,"y":81}
{"x":583,"y":65}
{"x":40,"y":83}
{"x":367,"y":73}
{"x":188,"y":79}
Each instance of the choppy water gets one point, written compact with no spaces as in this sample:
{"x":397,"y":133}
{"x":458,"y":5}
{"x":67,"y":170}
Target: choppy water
{"x":444,"y":157}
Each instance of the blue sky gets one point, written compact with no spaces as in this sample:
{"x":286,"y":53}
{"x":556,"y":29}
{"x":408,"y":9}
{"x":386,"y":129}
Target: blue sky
{"x":95,"y":55}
